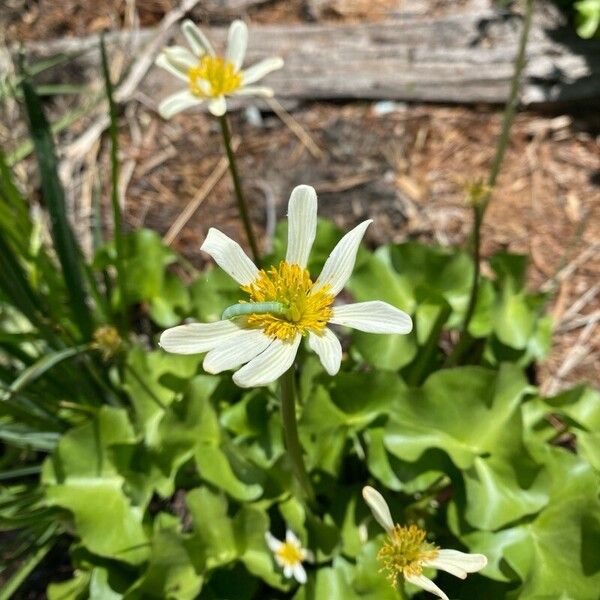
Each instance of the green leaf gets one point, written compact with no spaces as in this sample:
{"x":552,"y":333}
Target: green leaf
{"x":82,"y":478}
{"x":68,"y":251}
{"x":556,"y":554}
{"x":72,"y":589}
{"x":171,"y":574}
{"x":100,"y":588}
{"x":214,"y":542}
{"x":220,"y":464}
{"x":399,"y":475}
{"x":212,"y":294}
{"x":153,"y":380}
{"x":385,"y":352}
{"x":172,"y":305}
{"x":446,"y":272}
{"x":363,"y":397}
{"x":375,"y":279}
{"x":462,"y":411}
{"x":588,"y":17}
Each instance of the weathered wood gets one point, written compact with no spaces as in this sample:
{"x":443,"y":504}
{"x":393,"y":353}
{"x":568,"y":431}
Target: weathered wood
{"x":466,"y":58}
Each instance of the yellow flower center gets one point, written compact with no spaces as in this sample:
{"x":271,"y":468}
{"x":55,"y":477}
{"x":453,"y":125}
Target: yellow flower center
{"x":290,"y":284}
{"x":290,"y":554}
{"x":405,"y":551}
{"x":107,"y":340}
{"x":213,"y":76}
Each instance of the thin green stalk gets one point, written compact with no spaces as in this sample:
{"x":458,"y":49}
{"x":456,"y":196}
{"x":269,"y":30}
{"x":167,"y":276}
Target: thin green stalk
{"x":480,"y":207}
{"x":242,"y":206}
{"x":116,"y":208}
{"x":401,"y":589}
{"x":290,"y":432}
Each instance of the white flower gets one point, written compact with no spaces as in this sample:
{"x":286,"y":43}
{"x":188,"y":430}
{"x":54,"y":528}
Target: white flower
{"x":266,"y":343}
{"x":406,"y":552}
{"x":209,"y":76}
{"x":289,"y":555}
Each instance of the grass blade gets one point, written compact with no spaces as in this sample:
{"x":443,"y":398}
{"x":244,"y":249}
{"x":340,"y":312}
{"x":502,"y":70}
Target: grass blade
{"x":65,"y":244}
{"x":16,"y":287}
{"x":40,"y":367}
{"x":23,"y":571}
{"x":22,"y":472}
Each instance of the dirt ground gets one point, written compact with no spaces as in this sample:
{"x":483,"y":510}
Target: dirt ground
{"x":402,"y":165}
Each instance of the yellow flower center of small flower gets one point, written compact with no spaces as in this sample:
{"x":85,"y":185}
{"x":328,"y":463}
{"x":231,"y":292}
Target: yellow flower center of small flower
{"x":213,"y":76}
{"x":405,"y":551}
{"x":107,"y":340}
{"x":290,"y":554}
{"x":307,"y":309}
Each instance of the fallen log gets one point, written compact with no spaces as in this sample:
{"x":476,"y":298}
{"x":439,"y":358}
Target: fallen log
{"x":463,"y":58}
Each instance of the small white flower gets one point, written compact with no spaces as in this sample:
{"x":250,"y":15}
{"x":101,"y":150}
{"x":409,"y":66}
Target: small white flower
{"x":289,"y":555}
{"x":266,"y":343}
{"x":211,"y":77}
{"x":406,"y":552}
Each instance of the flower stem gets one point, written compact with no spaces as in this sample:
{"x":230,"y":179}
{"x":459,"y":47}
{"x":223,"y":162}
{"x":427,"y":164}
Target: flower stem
{"x":241,"y":200}
{"x":480,"y":207}
{"x":290,"y":432}
{"x":401,"y":589}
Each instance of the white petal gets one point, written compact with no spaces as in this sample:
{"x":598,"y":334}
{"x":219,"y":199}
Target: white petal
{"x":181,"y":58}
{"x":328,"y":349}
{"x":236,"y":350}
{"x":339,"y":265}
{"x":268,"y":366}
{"x":164,"y":63}
{"x":379,"y":507}
{"x":254,"y":90}
{"x":218,"y":106}
{"x":302,"y":224}
{"x":288,"y":571}
{"x":237,"y":41}
{"x":175,"y":103}
{"x":260,"y":69}
{"x":427,"y":585}
{"x":196,"y":39}
{"x":291,"y":537}
{"x":372,"y":317}
{"x":299,"y":573}
{"x":272,"y":542}
{"x":458,"y":563}
{"x":229,"y":256}
{"x":194,"y":338}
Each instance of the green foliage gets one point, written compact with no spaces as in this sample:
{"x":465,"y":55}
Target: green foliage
{"x":158,"y":480}
{"x":170,"y":496}
{"x":588,"y":17}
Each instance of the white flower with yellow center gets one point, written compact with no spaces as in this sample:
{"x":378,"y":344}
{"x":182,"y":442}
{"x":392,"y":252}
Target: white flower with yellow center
{"x":406,"y":552}
{"x":210,"y":77}
{"x":289,"y":555}
{"x":283,"y":305}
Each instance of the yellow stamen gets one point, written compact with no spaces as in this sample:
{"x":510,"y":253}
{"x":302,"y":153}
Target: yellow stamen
{"x":107,"y":340}
{"x":290,"y":284}
{"x":212,"y":77}
{"x":476,"y":192}
{"x":405,"y":551}
{"x":289,"y":554}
